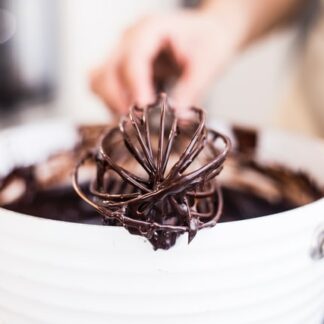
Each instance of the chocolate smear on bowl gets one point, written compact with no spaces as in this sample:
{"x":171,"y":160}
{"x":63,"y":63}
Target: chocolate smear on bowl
{"x":253,"y":189}
{"x":156,"y":175}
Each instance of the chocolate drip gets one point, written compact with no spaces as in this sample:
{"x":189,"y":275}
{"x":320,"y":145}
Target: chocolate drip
{"x":138,"y":185}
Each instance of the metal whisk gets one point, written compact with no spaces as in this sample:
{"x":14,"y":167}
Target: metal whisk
{"x":156,"y":174}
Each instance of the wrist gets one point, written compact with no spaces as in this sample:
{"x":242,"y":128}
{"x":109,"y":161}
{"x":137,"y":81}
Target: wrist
{"x":234,"y":16}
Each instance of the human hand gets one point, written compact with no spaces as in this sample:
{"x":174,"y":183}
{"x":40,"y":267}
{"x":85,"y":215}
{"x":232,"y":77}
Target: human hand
{"x":200,"y":42}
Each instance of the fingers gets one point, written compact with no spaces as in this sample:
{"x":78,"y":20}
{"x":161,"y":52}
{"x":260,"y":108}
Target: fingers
{"x":127,"y":77}
{"x":190,"y":88}
{"x":106,"y":83}
{"x":199,"y":70}
{"x":136,"y":71}
{"x":142,"y":44}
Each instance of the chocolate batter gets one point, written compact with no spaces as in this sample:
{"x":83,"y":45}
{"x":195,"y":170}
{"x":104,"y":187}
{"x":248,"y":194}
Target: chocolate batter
{"x":65,"y":205}
{"x":62,"y":203}
{"x":277,"y":189}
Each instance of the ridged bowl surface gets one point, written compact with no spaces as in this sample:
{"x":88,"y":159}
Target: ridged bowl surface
{"x":257,"y":271}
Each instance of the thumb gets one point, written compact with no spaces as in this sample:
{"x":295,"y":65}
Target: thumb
{"x":189,"y":89}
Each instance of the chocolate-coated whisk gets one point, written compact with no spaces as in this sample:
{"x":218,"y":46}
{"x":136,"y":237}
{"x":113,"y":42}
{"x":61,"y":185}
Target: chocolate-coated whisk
{"x":138,"y":186}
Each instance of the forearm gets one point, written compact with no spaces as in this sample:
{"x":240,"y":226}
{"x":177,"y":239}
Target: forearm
{"x":251,"y":19}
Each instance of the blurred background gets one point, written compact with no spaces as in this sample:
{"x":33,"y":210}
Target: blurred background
{"x":48,"y":48}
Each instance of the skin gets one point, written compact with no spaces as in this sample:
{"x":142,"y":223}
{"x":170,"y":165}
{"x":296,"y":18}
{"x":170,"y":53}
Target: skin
{"x":202,"y":42}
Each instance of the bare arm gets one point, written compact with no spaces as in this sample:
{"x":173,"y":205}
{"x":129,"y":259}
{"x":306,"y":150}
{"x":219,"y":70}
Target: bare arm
{"x":255,"y":17}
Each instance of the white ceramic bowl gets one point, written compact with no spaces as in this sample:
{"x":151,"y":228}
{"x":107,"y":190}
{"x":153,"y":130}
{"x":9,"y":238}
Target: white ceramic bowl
{"x":256,"y":271}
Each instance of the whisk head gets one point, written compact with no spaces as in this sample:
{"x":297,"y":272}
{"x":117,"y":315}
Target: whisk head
{"x":156,"y":175}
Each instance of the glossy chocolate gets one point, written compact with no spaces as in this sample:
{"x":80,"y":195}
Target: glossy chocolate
{"x":158,"y":179}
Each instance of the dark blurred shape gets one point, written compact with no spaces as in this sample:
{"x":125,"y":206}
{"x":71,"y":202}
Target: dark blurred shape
{"x":309,"y":16}
{"x":28,"y":52}
{"x":246,"y":138}
{"x":191,"y":3}
{"x":166,"y":71}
